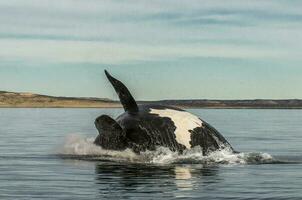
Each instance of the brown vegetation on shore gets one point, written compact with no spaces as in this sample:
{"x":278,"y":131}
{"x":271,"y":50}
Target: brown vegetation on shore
{"x":30,"y":100}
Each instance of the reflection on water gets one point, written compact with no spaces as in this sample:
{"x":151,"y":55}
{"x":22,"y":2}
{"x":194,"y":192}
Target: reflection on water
{"x":140,"y":179}
{"x":183,"y":178}
{"x":186,"y":175}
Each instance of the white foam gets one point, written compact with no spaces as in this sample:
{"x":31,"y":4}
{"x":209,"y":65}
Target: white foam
{"x":184,"y":121}
{"x":80,"y":146}
{"x":76,"y":145}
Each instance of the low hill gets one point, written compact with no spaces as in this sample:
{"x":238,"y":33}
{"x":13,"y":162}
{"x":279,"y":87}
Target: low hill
{"x":30,"y":100}
{"x":14,"y":99}
{"x":255,"y":103}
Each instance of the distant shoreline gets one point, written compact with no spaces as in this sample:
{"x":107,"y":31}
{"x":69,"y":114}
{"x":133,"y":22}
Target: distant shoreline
{"x":29,"y":100}
{"x":120,"y":106}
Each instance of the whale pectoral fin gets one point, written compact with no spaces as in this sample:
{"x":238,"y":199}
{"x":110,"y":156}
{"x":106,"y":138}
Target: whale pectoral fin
{"x":125,"y":96}
{"x":111,"y":134}
{"x":104,"y":123}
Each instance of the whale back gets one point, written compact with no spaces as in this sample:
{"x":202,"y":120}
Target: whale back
{"x":156,"y":125}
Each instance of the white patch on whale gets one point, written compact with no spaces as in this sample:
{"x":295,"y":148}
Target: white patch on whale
{"x":184,"y":121}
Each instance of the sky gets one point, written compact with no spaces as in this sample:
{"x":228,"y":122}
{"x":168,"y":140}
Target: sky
{"x":171,"y":49}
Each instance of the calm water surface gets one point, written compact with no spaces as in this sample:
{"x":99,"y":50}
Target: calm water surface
{"x":33,"y":164}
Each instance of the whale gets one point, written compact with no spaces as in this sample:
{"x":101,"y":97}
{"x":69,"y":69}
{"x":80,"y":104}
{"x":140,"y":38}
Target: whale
{"x":149,"y":126}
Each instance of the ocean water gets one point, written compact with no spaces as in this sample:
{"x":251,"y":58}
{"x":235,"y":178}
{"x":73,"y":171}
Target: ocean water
{"x":48,"y":154}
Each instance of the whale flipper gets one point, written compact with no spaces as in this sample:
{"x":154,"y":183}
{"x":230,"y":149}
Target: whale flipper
{"x":125,"y":97}
{"x":107,"y":124}
{"x":111,"y":134}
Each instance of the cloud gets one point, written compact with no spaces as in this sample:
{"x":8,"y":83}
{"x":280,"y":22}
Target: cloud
{"x":118,"y":31}
{"x":115,"y":53}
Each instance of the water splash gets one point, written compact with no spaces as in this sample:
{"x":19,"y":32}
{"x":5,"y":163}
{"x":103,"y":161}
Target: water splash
{"x":76,"y":146}
{"x":79,"y":147}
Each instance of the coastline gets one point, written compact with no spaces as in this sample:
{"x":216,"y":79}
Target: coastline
{"x":112,"y":106}
{"x":30,"y":100}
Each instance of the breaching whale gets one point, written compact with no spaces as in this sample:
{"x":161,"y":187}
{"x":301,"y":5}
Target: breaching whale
{"x":145,"y":127}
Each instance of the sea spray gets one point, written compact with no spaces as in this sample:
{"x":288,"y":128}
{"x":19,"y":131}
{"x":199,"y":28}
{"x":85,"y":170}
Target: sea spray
{"x":80,"y":147}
